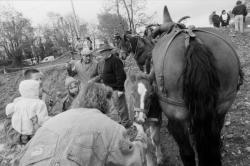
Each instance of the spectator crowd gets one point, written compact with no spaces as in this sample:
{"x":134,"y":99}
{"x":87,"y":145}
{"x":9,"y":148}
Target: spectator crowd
{"x":236,"y":17}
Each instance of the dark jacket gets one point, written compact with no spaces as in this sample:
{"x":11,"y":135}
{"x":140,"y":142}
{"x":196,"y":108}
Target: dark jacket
{"x":113,"y":73}
{"x":240,"y":10}
{"x":216,"y":20}
{"x":110,"y":72}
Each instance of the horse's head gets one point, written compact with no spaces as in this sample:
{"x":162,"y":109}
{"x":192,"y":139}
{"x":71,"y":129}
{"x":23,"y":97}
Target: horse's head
{"x":125,"y":45}
{"x":139,"y":92}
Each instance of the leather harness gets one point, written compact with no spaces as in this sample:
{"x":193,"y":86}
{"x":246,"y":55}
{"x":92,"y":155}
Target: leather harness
{"x":189,"y":33}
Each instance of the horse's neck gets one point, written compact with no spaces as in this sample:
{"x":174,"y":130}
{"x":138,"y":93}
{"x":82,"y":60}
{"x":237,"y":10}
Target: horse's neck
{"x":134,"y":43}
{"x":140,"y":44}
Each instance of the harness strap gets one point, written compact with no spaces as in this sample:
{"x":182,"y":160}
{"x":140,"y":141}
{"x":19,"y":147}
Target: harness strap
{"x":189,"y":33}
{"x":161,"y":77}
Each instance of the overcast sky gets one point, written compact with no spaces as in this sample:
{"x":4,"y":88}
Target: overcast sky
{"x":199,"y":10}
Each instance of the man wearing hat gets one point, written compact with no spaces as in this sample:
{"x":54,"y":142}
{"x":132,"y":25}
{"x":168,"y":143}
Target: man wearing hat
{"x":110,"y":71}
{"x":84,"y":69}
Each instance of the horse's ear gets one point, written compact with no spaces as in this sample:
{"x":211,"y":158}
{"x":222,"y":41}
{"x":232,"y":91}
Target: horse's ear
{"x":166,"y":16}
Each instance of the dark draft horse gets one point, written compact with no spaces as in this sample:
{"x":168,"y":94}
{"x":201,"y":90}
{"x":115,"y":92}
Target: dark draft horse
{"x":141,"y":49}
{"x":198,"y":74}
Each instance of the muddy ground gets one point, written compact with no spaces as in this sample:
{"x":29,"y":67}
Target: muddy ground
{"x":236,"y":132}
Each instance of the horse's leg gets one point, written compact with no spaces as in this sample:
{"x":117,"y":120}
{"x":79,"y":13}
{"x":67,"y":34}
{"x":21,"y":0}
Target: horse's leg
{"x":148,"y":155}
{"x":148,"y":65}
{"x":155,"y":137}
{"x":180,"y":133}
{"x":149,"y":159}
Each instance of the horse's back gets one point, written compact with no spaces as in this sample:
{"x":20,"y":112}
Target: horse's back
{"x":170,"y":61}
{"x":227,"y":62}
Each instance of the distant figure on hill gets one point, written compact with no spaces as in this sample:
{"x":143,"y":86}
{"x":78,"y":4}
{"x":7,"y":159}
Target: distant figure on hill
{"x":210,"y":18}
{"x":224,"y":18}
{"x":239,"y":12}
{"x":216,"y":20}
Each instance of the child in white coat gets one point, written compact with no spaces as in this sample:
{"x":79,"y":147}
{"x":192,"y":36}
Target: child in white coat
{"x":27,"y":112}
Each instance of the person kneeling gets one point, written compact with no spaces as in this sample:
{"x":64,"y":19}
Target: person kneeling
{"x":85,"y":136}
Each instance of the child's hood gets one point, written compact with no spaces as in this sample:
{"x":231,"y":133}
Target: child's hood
{"x":29,"y":89}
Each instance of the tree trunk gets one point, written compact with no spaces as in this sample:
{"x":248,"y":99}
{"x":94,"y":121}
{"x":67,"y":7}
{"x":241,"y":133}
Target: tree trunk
{"x":129,"y":18}
{"x":119,"y":15}
{"x":132,"y":17}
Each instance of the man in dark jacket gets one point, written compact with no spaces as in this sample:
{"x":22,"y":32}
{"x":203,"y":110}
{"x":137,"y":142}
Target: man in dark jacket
{"x":216,"y":20}
{"x":110,"y":71}
{"x":239,"y":12}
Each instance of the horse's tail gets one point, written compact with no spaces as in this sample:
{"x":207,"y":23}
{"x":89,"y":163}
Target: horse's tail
{"x":200,"y":92}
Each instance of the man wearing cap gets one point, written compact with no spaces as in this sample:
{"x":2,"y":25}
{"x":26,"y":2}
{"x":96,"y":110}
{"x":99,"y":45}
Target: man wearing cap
{"x":84,"y":69}
{"x":110,"y":71}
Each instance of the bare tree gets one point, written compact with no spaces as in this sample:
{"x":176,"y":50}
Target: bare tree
{"x":110,"y":24}
{"x":16,"y":34}
{"x":94,"y":34}
{"x":133,"y":10}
